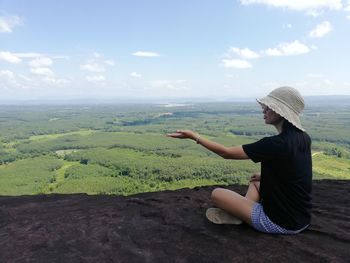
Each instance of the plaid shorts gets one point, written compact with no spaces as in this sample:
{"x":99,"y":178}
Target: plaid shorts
{"x":262,"y":222}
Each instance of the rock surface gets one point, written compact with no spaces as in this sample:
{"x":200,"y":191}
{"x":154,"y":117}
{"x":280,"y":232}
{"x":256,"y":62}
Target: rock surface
{"x":166,"y":226}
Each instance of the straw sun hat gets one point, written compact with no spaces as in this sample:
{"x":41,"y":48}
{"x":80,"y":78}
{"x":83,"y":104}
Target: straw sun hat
{"x":287,"y":102}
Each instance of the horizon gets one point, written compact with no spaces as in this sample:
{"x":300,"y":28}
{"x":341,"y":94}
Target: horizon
{"x":176,"y":50}
{"x":161,"y":100}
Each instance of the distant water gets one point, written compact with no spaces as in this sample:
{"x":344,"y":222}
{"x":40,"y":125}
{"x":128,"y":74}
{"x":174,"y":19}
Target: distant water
{"x":170,"y":105}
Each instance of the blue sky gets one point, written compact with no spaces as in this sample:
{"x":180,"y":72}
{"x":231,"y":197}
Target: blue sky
{"x":172,"y":49}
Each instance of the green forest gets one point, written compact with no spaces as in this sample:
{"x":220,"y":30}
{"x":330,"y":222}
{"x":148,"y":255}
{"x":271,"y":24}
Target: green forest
{"x":123,"y":149}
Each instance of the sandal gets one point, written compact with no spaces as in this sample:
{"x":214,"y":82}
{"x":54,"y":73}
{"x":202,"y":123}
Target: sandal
{"x":219,"y":216}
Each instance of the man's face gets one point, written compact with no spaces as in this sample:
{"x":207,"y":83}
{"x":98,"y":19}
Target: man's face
{"x":270,"y":116}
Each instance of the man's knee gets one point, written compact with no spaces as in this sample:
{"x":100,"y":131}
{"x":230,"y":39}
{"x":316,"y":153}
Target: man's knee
{"x":217,"y":192}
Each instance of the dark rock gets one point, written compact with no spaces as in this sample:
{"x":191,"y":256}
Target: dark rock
{"x":167,"y":226}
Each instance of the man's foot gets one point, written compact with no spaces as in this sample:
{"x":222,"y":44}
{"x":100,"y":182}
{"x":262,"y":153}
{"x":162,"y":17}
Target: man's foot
{"x":219,"y":216}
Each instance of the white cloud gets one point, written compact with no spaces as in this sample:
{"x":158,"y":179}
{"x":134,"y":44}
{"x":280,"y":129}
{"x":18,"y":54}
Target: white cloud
{"x":168,"y":84}
{"x":145,"y":54}
{"x":110,"y":62}
{"x":28,"y":55}
{"x":315,"y":75}
{"x":40,"y":79}
{"x":41,"y":62}
{"x":8,"y":80}
{"x":7,"y":23}
{"x":273,"y":52}
{"x":56,"y":81}
{"x":97,"y":63}
{"x":160,"y":83}
{"x":245,"y":53}
{"x":288,"y":49}
{"x":179,"y":81}
{"x":93,"y":67}
{"x":135,"y":75}
{"x":6,"y":73}
{"x":321,"y":30}
{"x":61,"y":57}
{"x":348,"y":7}
{"x":283,"y":49}
{"x":236,"y":63}
{"x":299,"y":5}
{"x":25,"y":78}
{"x":96,"y":78}
{"x":328,"y":82}
{"x":42,"y":71}
{"x":314,"y":13}
{"x":96,"y":55}
{"x":9,"y":57}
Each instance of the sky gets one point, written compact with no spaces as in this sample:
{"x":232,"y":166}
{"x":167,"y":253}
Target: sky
{"x":138,"y":49}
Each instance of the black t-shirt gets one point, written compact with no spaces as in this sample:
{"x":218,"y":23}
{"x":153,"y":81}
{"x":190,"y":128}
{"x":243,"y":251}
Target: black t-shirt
{"x":286,"y":179}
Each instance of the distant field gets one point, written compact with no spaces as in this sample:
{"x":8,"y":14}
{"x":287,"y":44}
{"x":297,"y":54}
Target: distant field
{"x":123,"y":149}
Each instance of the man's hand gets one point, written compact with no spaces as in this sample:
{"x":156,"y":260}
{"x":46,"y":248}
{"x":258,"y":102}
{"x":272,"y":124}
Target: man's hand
{"x":183,"y":134}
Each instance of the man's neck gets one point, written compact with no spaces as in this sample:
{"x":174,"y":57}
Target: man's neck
{"x":279,"y":126}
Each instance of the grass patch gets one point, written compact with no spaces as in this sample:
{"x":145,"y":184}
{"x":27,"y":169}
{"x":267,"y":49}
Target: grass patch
{"x":58,"y":135}
{"x":28,"y":176}
{"x":330,"y":167}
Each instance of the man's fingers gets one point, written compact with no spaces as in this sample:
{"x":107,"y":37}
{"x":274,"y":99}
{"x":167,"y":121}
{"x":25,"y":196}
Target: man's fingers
{"x":172,"y":134}
{"x":175,"y":135}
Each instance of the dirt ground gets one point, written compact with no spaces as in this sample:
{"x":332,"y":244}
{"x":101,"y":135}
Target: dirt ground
{"x":166,"y":226}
